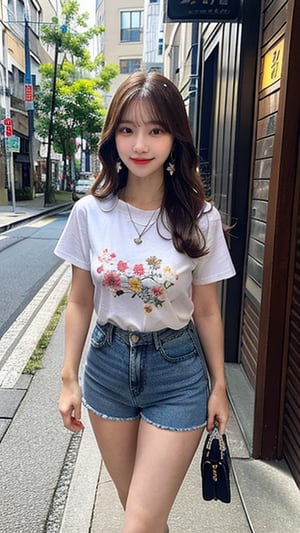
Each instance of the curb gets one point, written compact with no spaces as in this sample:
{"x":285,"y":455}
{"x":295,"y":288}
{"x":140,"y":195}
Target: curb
{"x":31,"y":216}
{"x":20,"y":341}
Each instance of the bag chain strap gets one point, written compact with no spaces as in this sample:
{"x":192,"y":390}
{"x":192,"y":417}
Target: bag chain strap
{"x":216,"y":435}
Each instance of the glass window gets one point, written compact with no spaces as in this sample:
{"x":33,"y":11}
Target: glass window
{"x":160,"y":46}
{"x":10,"y":10}
{"x":21,"y":77}
{"x":127,"y":66}
{"x":131,"y":25}
{"x":125,"y":20}
{"x":20,"y":10}
{"x":135,"y":19}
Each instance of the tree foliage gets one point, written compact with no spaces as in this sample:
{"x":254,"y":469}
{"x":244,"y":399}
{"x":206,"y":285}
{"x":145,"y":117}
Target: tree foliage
{"x":78,"y":110}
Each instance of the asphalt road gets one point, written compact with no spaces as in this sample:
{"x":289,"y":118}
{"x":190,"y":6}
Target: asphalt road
{"x":26,"y":262}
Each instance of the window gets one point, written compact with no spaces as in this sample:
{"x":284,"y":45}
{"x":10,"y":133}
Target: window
{"x":131,"y":26}
{"x":207,"y":125}
{"x":153,"y":1}
{"x":10,"y":10}
{"x":127,"y":66}
{"x":20,"y":10}
{"x":160,"y":46}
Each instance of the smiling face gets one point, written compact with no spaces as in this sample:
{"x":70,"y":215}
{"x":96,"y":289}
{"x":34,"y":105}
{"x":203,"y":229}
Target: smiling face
{"x":142,"y":142}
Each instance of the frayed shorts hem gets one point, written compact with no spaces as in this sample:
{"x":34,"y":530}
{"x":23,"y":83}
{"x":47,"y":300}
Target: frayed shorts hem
{"x":139,"y":416}
{"x":108,"y":417}
{"x":170,"y":428}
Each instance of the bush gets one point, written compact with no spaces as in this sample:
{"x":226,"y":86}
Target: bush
{"x":24,"y":194}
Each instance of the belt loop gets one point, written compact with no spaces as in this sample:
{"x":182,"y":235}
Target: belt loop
{"x":156,"y":340}
{"x":110,"y":328}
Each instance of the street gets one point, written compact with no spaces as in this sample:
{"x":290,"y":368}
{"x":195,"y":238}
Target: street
{"x":27,"y":261}
{"x":32,"y":284}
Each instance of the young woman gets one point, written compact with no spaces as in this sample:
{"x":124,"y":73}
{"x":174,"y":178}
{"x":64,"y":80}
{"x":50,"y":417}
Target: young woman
{"x":147,"y":252}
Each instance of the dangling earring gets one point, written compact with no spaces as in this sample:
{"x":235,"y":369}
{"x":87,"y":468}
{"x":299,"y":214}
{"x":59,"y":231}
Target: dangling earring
{"x":118,"y":165}
{"x":171,"y":165}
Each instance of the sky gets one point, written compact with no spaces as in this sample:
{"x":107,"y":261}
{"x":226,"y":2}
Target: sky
{"x":88,"y":5}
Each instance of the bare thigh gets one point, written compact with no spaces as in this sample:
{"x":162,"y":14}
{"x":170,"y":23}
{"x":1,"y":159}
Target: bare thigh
{"x":161,"y":462}
{"x":147,"y":465}
{"x":117,"y":442}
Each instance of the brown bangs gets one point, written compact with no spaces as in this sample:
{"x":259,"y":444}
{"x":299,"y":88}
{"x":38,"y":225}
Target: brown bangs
{"x":144,"y":109}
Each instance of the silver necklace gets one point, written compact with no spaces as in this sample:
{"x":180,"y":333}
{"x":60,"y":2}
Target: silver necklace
{"x":138,"y":239}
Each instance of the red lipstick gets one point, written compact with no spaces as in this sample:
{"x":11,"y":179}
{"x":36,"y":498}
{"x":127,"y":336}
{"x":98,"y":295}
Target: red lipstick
{"x":140,"y":161}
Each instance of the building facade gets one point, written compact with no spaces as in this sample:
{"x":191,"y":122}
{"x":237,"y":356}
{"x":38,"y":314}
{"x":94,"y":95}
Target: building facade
{"x":122,"y":41}
{"x":246,"y":124}
{"x":133,"y":37}
{"x":22,"y":53}
{"x":153,"y":36}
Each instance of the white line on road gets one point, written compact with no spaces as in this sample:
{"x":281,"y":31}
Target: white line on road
{"x":33,"y":323}
{"x":41,"y":223}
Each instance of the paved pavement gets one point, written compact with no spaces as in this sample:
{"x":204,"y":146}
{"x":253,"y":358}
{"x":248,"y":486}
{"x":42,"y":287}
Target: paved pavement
{"x":53,"y":482}
{"x":24,"y":211}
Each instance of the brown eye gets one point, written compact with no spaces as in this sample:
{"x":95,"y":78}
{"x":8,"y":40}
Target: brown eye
{"x":125,"y":130}
{"x":156,"y":131}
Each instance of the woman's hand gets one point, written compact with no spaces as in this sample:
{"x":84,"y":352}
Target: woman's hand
{"x":70,"y":406}
{"x":218,"y":410}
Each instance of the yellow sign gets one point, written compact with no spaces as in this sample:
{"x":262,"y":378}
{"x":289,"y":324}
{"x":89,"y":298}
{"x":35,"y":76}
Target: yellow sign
{"x":272,"y":66}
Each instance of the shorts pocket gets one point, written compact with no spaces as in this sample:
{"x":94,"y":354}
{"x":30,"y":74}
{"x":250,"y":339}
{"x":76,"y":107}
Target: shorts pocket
{"x":98,"y":338}
{"x":178,"y":348}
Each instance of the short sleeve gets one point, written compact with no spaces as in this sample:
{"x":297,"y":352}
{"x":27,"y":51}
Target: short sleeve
{"x":216,"y":265}
{"x":74,"y":245}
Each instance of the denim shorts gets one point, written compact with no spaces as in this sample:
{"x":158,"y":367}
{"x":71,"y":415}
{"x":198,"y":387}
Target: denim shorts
{"x":159,"y":376}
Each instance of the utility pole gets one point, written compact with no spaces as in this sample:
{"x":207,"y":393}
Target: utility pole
{"x":28,"y":96}
{"x":48,"y":182}
{"x":50,"y":131}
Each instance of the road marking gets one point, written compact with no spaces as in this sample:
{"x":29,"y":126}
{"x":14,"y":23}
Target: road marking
{"x":22,"y":337}
{"x":41,"y":223}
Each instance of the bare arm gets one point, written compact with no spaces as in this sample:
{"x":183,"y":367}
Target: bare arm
{"x":208,"y":322}
{"x":78,"y":317}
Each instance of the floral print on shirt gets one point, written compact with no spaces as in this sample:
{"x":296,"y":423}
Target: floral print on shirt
{"x":148,"y":281}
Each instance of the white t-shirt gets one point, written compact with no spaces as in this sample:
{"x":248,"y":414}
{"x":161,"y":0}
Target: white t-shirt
{"x":145,"y":287}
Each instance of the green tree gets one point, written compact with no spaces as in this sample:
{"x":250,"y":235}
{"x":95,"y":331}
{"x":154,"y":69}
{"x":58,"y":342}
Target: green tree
{"x":68,"y":102}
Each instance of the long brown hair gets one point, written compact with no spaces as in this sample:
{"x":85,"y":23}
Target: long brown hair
{"x":183,"y":191}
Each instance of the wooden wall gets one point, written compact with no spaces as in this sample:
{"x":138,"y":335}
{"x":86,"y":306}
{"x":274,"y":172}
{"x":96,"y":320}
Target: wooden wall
{"x":273,"y":30}
{"x":291,"y":420}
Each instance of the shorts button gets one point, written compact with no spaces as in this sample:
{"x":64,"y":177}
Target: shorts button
{"x":134,"y":338}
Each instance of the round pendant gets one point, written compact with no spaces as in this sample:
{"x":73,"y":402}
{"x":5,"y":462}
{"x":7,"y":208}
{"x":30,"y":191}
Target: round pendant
{"x":137,"y":240}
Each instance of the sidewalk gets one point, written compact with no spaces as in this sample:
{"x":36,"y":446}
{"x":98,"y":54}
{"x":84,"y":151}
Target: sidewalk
{"x":264,"y":494}
{"x":25,"y":211}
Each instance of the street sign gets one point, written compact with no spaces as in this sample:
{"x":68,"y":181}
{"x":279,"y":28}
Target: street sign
{"x":13,"y":144}
{"x":203,"y":10}
{"x":272,"y":65}
{"x":8,"y":131}
{"x":8,"y":127}
{"x":28,"y":91}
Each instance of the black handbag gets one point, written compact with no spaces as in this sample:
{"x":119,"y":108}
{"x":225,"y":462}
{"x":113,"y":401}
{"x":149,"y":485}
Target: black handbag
{"x":215,"y":468}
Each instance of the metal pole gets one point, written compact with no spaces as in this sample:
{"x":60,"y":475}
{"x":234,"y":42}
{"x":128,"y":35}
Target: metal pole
{"x":50,"y":130}
{"x":28,"y":78}
{"x":6,"y":106}
{"x":11,"y":177}
{"x":29,"y":105}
